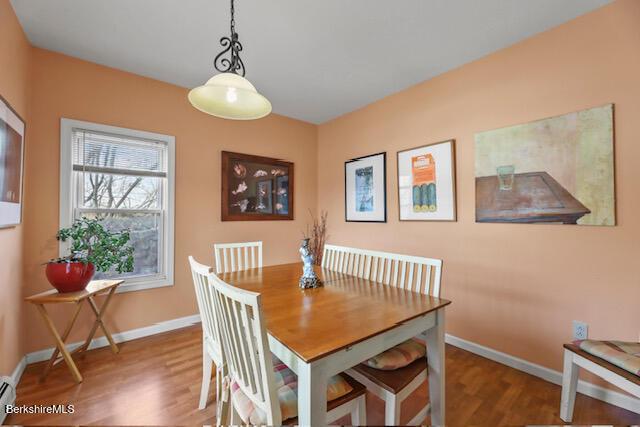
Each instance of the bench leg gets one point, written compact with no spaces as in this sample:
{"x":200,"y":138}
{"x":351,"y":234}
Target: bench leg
{"x":569,"y":387}
{"x":392,"y":407}
{"x":359,"y":414}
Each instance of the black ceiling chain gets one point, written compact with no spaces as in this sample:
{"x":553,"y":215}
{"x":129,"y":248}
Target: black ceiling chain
{"x":233,"y":46}
{"x":233,"y":17}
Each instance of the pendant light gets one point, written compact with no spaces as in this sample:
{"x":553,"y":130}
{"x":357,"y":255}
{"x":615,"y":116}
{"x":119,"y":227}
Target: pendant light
{"x":229,"y":95}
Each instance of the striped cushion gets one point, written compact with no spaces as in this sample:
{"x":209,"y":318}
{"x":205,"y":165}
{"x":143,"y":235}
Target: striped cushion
{"x":399,"y":356}
{"x":287,"y":390}
{"x":625,"y":355}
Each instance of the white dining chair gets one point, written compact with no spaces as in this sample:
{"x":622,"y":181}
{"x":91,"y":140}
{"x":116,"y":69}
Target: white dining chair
{"x":413,"y":273}
{"x":211,"y":344}
{"x":232,"y":257}
{"x":575,"y":358}
{"x":256,"y":397}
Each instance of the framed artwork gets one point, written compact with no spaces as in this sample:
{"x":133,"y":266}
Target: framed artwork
{"x":556,"y":170}
{"x":256,"y":188}
{"x":426,"y":183}
{"x":365,"y":182}
{"x":12,"y":129}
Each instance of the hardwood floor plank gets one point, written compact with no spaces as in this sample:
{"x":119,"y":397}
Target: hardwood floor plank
{"x":156,"y":381}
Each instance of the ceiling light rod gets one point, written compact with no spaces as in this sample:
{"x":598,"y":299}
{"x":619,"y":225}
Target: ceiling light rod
{"x":232,"y":45}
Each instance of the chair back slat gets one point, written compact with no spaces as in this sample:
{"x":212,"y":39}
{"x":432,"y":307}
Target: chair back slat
{"x":355,"y":265}
{"x":246,"y":346}
{"x":367,"y":267}
{"x":388,"y":264}
{"x":232,"y":257}
{"x":246,"y":254}
{"x":200,"y":274}
{"x":418,"y":274}
{"x":376,"y":273}
{"x":437,"y":282}
{"x":409,"y":284}
{"x":416,"y":285}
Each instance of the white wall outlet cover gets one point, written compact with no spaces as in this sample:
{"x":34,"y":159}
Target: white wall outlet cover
{"x":580,"y":330}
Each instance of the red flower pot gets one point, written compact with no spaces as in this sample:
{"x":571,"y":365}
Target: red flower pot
{"x":69,"y":276}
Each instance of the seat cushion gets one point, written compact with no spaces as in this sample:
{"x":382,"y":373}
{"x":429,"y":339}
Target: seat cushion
{"x":287,"y":391}
{"x":625,"y":355}
{"x":394,"y":381}
{"x":399,"y":356}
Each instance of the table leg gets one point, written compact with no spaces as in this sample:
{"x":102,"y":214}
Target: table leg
{"x":64,"y":336}
{"x":60,"y":343}
{"x":312,"y":396}
{"x":98,"y":323}
{"x":436,"y":366}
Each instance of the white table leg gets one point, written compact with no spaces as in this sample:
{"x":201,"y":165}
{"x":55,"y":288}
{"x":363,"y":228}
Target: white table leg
{"x":435,"y":363}
{"x":312,"y":396}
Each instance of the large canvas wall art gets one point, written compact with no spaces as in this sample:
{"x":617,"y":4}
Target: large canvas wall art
{"x":426,"y":183}
{"x":365,"y":189}
{"x":12,"y":129}
{"x":256,"y":188}
{"x":556,"y":170}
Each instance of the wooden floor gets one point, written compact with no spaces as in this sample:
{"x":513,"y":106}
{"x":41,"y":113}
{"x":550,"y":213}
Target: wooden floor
{"x":156,"y":381}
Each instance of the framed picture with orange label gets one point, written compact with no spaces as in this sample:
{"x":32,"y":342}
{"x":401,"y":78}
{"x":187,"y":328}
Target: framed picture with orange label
{"x":426,"y":183}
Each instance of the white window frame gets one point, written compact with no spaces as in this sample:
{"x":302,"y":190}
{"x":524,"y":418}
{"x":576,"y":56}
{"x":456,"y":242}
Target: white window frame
{"x":66,"y":197}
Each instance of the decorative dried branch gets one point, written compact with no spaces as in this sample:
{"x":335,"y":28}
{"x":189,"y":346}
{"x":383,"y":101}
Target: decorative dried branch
{"x":317,"y":235}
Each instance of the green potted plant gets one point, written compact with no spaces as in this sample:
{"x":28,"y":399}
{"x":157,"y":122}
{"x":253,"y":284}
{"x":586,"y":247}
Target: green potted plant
{"x":92,"y":247}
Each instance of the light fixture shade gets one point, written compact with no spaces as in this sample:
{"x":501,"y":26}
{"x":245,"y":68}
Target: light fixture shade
{"x":230,"y":96}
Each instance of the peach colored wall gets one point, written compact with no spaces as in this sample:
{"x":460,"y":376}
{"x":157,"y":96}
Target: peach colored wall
{"x":14,"y":75}
{"x":71,"y":88}
{"x":515,"y":288}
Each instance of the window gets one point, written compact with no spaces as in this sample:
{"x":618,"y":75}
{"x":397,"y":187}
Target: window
{"x":126,"y":178}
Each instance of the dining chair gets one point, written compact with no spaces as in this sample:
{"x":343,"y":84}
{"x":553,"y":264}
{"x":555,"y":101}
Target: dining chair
{"x":211,"y":343}
{"x":232,"y":257}
{"x":616,"y":362}
{"x":263,"y":389}
{"x":399,"y":371}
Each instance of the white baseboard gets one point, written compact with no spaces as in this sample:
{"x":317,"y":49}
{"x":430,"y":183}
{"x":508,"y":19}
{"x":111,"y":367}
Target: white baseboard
{"x":158,"y":328}
{"x":606,"y":395}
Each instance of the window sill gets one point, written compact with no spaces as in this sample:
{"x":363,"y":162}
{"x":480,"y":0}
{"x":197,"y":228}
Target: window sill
{"x":143,"y":285}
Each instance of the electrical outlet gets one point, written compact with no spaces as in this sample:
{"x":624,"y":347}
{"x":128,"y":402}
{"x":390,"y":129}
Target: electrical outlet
{"x":580,"y":330}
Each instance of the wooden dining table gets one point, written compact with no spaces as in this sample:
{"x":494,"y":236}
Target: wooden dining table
{"x":321,"y":332}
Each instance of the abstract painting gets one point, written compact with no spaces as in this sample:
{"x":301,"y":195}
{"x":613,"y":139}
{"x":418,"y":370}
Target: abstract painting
{"x":555,"y":170}
{"x":365,"y":189}
{"x":426,"y":183}
{"x":256,"y":188}
{"x":11,"y":163}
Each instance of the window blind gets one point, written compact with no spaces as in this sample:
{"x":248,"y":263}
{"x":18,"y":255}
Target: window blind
{"x":106,"y":153}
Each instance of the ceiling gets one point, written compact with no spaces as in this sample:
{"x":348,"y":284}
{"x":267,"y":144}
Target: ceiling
{"x":314,"y":59}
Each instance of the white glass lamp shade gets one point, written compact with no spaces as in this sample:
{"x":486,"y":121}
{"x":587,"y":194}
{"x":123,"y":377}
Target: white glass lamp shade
{"x":230,"y":96}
